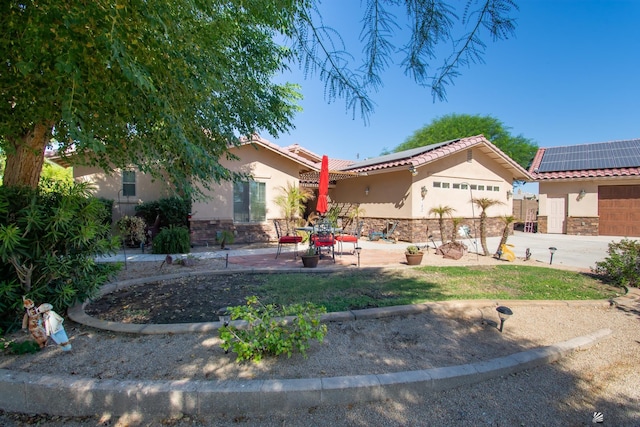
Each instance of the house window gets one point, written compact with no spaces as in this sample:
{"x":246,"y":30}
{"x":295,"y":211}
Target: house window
{"x":445,"y":185}
{"x":481,"y":187}
{"x":464,"y":186}
{"x":437,"y":184}
{"x":456,"y":186}
{"x":128,"y":183}
{"x":249,"y":201}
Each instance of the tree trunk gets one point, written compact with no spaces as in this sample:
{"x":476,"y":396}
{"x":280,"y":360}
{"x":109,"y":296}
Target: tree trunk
{"x":503,"y":240}
{"x":483,"y":233}
{"x":25,"y":158}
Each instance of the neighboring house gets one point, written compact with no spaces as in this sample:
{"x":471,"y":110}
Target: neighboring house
{"x":400,"y":187}
{"x":126,"y":187}
{"x":589,"y":189}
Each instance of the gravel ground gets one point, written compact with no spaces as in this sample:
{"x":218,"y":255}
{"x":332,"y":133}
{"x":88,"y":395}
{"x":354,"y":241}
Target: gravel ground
{"x":603,"y":378}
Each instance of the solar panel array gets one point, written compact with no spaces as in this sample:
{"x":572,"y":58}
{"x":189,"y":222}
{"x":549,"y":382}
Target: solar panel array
{"x":605,"y":155}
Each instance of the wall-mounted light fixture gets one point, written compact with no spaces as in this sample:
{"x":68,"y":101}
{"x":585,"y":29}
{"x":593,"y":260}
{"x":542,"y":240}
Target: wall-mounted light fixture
{"x":581,"y":194}
{"x":509,"y":194}
{"x":366,"y":190}
{"x":413,"y":170}
{"x":423,"y":191}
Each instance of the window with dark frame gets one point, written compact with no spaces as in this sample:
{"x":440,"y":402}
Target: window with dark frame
{"x":249,"y":201}
{"x":128,"y":183}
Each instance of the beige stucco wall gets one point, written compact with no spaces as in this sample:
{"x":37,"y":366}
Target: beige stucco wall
{"x":575,"y":206}
{"x":480,"y":171}
{"x":264,"y":166}
{"x":398,"y":194}
{"x":109,"y":186}
{"x":587,"y":206}
{"x":388,"y":194}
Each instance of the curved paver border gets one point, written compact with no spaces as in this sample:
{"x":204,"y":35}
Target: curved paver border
{"x":77,"y":313}
{"x":27,"y":392}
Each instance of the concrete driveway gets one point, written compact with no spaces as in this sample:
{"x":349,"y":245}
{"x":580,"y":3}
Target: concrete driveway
{"x":573,"y":251}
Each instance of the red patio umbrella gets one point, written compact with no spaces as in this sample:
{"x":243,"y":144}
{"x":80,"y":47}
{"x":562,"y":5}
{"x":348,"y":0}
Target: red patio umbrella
{"x":323,"y":186}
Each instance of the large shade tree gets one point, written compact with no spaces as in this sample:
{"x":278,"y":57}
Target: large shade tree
{"x":454,"y":126}
{"x":170,"y":84}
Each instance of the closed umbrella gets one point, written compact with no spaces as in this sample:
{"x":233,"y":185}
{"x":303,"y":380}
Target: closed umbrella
{"x":323,"y":186}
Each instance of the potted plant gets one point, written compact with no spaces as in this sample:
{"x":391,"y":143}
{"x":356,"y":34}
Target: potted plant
{"x":414,"y":255}
{"x":310,"y":258}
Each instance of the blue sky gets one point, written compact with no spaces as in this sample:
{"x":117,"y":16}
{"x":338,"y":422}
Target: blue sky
{"x":570,"y":75}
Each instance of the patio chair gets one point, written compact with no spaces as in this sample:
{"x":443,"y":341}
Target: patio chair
{"x":350,"y":238}
{"x":286,"y":240}
{"x":385,"y":235}
{"x":323,"y":238}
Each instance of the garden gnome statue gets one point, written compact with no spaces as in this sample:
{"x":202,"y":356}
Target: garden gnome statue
{"x":43,"y":322}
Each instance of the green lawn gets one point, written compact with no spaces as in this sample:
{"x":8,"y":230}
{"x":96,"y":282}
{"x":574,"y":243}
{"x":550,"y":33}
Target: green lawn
{"x":355,"y":289}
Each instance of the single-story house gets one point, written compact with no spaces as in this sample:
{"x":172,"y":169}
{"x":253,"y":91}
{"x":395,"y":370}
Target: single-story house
{"x":397,"y":188}
{"x":589,"y":189}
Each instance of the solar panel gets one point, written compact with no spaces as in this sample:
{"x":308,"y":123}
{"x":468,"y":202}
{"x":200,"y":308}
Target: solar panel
{"x":605,"y":155}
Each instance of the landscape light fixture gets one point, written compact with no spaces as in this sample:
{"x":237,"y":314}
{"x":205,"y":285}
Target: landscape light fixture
{"x":366,"y":190}
{"x":413,"y":170}
{"x":509,"y":194}
{"x":358,"y":249}
{"x":423,"y":191}
{"x":503,"y":313}
{"x":581,"y":194}
{"x":552,"y":250}
{"x":224,"y":319}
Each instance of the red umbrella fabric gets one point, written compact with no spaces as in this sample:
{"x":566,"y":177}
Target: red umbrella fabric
{"x":323,"y":186}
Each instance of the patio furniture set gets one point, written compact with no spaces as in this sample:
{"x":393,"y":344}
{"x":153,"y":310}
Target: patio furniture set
{"x":322,"y":236}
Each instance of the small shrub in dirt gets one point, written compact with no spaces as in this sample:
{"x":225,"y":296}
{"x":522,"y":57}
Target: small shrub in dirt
{"x":132,"y":230}
{"x":23,"y":347}
{"x":269,"y":333}
{"x":172,"y":240}
{"x":622,"y":266}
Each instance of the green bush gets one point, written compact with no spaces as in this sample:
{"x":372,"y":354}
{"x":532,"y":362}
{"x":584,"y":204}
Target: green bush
{"x":49,"y":239}
{"x":269,"y":333}
{"x":23,"y":347}
{"x":172,"y":211}
{"x":225,"y":237}
{"x":132,"y":230}
{"x":108,"y":212}
{"x":622,"y":266}
{"x":172,"y":240}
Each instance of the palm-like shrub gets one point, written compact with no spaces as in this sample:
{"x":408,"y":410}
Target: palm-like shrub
{"x":49,"y":239}
{"x":291,"y":201}
{"x":441,"y":211}
{"x":172,"y":240}
{"x":484,"y":204}
{"x":507,"y":220}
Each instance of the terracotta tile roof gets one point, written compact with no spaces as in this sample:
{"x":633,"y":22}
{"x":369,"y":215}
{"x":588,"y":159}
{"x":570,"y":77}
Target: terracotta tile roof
{"x":256,"y":139}
{"x":538,"y":163}
{"x":302,"y":155}
{"x":417,"y":157}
